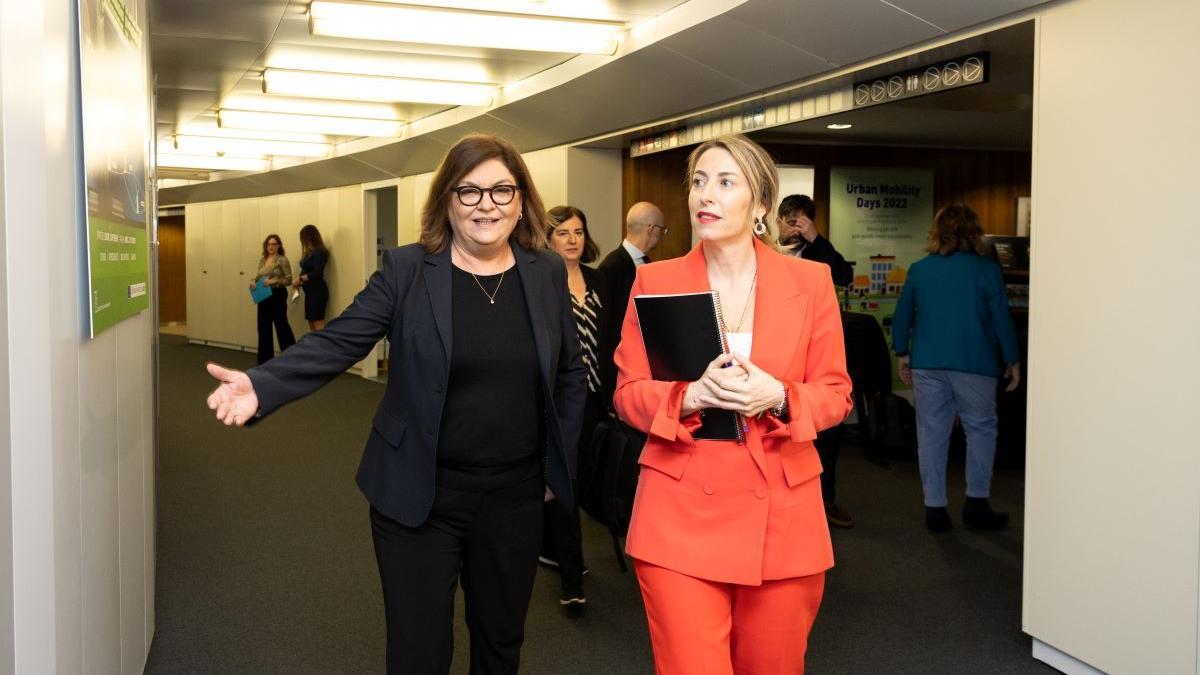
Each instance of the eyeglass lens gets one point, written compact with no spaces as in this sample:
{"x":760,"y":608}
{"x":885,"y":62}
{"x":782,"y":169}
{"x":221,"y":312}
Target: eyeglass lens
{"x":469,"y":195}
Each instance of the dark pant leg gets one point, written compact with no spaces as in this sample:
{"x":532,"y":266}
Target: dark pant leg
{"x":282,"y":328}
{"x":829,"y":443}
{"x":419,"y":567}
{"x":499,"y":564}
{"x":266,"y":340}
{"x":566,"y":537}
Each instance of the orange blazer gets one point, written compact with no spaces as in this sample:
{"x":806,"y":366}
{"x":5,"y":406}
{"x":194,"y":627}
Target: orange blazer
{"x":739,"y":512}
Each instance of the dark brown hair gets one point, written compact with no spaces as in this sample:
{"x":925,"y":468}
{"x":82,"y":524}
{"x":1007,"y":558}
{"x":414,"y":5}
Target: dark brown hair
{"x":310,"y":240}
{"x":759,"y":169}
{"x":468,"y":153}
{"x":561,"y":214}
{"x":802,"y":204}
{"x":269,"y":238}
{"x":955,"y":228}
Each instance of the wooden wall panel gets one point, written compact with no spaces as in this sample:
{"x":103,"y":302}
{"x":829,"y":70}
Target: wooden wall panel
{"x":989,"y":181}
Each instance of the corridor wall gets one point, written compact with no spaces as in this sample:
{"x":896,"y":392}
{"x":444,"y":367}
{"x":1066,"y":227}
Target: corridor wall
{"x":77,"y":427}
{"x":1112,"y":518}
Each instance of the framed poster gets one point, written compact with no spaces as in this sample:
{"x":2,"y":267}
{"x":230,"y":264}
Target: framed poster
{"x":113,"y":99}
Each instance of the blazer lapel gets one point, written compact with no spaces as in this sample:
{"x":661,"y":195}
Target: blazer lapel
{"x":530,"y":273}
{"x":438,"y":286}
{"x":779,"y":307}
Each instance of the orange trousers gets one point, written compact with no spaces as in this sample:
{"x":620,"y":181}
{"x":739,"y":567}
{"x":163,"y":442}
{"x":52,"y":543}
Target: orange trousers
{"x":700,"y":627}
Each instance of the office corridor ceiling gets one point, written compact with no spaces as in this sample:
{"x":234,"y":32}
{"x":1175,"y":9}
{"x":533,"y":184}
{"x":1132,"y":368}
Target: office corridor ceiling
{"x":679,"y":56}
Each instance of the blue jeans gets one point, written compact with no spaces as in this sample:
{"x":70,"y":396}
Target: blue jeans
{"x":940,"y":395}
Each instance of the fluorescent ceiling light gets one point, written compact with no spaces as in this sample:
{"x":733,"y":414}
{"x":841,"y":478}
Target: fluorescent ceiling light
{"x":320,"y":124}
{"x":838,"y":127}
{"x":180,"y":161}
{"x":243,"y":147}
{"x":311,"y":106}
{"x":373,"y":88}
{"x":209,"y":128}
{"x":463,"y":28}
{"x":363,"y":62}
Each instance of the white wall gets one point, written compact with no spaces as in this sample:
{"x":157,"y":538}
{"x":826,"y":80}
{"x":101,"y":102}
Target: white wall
{"x":78,"y":446}
{"x":224,"y":244}
{"x":594,"y":187}
{"x":1112,"y":519}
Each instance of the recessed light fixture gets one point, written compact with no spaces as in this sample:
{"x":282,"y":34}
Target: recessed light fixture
{"x":838,"y":127}
{"x":463,"y":28}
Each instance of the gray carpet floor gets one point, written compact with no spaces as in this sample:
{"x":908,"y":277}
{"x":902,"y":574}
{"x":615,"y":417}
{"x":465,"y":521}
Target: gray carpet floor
{"x":265,"y":562}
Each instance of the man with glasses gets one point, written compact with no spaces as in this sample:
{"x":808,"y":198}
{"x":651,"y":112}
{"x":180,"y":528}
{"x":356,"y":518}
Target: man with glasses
{"x":643,"y":229}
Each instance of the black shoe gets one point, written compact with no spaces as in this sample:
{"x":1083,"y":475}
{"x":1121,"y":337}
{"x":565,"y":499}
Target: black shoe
{"x":978,"y":515}
{"x":547,"y":561}
{"x":573,"y":597}
{"x":937,"y":518}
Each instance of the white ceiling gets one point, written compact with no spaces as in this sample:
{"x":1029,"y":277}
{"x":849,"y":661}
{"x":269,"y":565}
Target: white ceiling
{"x":203,"y":51}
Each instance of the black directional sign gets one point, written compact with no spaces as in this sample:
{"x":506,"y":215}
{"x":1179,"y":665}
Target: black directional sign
{"x":952,"y":74}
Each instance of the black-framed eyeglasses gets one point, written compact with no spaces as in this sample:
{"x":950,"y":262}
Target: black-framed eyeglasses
{"x":661,"y":227}
{"x":470,"y":195}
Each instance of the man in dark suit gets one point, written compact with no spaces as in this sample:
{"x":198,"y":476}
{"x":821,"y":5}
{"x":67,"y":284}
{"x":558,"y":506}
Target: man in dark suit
{"x":798,"y":235}
{"x":644,"y":228}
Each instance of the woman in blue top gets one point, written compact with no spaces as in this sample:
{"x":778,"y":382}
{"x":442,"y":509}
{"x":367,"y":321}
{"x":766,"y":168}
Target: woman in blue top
{"x":954,"y":336}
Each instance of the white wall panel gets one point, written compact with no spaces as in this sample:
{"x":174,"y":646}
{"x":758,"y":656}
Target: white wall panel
{"x":1112,"y":525}
{"x":594,"y":187}
{"x":134,"y":445}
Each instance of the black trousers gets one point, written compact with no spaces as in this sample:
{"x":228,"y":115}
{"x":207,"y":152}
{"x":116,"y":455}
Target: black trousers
{"x":273,"y":312}
{"x":829,"y":443}
{"x":563,"y":541}
{"x":487,"y":537}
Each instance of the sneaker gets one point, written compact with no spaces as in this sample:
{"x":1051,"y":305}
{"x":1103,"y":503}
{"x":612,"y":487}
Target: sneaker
{"x":937,"y":518}
{"x":837,"y":516}
{"x":573,"y":598}
{"x":545,"y":561}
{"x":978,"y":515}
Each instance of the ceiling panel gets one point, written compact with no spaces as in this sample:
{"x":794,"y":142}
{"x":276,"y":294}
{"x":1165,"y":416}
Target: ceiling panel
{"x":951,"y":16}
{"x":770,"y":62}
{"x":839,"y":31}
{"x":201,"y":63}
{"x":243,"y":20}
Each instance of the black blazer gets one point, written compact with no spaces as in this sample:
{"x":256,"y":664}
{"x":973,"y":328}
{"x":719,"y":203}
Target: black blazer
{"x":618,"y":271}
{"x":408,"y":300}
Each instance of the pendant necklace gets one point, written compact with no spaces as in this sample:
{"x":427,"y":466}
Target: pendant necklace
{"x":490,"y":296}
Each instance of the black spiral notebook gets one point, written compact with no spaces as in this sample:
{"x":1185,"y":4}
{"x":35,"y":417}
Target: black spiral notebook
{"x":682,"y":334}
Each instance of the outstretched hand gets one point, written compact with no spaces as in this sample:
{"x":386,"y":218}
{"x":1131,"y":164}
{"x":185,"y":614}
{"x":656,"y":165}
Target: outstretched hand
{"x":234,"y":399}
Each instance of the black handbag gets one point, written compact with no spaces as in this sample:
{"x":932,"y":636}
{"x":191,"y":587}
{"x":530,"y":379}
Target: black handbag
{"x":609,"y":477}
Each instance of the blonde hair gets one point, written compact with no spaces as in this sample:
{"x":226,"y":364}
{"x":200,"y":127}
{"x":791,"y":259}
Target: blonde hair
{"x":955,"y":228}
{"x":758,"y":168}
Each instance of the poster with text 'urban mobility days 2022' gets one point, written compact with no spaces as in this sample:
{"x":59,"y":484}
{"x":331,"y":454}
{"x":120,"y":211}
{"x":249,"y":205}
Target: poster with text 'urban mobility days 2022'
{"x":115,"y":147}
{"x":879,"y":218}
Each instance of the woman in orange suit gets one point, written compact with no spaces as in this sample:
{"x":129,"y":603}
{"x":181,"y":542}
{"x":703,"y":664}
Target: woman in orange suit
{"x":729,"y":539}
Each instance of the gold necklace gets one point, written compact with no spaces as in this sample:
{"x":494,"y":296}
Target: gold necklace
{"x":490,"y":296}
{"x":745,"y":307}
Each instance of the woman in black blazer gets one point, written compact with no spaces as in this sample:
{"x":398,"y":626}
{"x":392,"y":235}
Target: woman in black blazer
{"x":481,"y":415}
{"x":567,"y":232}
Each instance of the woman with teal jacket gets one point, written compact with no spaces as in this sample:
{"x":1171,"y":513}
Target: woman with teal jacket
{"x":954,"y":337}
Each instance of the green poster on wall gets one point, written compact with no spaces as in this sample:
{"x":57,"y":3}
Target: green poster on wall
{"x":115,"y":148}
{"x":879,"y":219}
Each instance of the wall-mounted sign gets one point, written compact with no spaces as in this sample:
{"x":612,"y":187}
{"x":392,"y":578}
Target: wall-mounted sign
{"x":960,"y":72}
{"x":115,"y":148}
{"x":657,"y":142}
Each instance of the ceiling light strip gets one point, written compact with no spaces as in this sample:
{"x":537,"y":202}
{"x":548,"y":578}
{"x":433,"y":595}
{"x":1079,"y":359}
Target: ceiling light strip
{"x":321,"y":124}
{"x":463,"y":28}
{"x":243,"y":147}
{"x":340,"y":86}
{"x":213,"y":163}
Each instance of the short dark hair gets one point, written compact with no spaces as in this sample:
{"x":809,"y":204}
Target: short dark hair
{"x":955,"y":228}
{"x":798,"y":204}
{"x":469,"y":152}
{"x":269,"y":238}
{"x":561,"y":214}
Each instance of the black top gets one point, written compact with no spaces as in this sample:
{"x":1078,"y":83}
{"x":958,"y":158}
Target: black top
{"x":313,"y":265}
{"x":491,"y":415}
{"x":820,"y":250}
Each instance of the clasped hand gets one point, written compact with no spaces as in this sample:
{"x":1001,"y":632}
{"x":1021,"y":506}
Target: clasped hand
{"x":732,"y":382}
